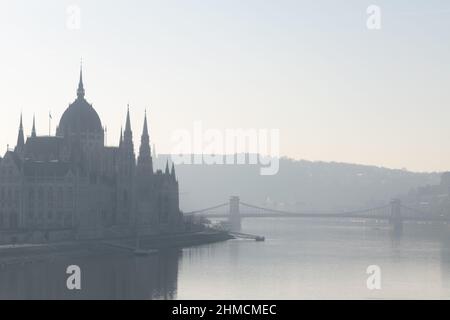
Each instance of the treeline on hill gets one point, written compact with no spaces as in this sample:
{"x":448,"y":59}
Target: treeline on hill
{"x":299,"y":185}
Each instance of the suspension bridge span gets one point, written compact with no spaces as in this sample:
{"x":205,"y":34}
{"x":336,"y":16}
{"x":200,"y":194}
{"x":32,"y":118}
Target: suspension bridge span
{"x":395,"y":212}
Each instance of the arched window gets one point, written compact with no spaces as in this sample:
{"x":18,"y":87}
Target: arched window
{"x":13,"y":220}
{"x":41,"y":194}
{"x":17,"y":198}
{"x":9,"y":198}
{"x":2,"y":197}
{"x":31,"y":195}
{"x":70,"y":197}
{"x":60,"y":197}
{"x":50,"y":197}
{"x":125,"y":197}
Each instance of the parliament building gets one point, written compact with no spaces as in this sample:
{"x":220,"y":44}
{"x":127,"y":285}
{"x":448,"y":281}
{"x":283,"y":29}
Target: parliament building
{"x":73,"y":186}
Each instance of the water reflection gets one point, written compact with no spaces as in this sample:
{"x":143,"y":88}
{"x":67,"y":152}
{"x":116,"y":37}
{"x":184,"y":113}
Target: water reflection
{"x":304,"y":259}
{"x":445,"y":261}
{"x":103,"y":277}
{"x":300,"y":259}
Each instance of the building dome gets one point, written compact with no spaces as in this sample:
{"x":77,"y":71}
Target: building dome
{"x":80,"y":116}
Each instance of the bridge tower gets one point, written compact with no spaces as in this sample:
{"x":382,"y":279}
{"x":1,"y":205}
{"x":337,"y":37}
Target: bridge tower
{"x":396,"y":215}
{"x":234,"y":218}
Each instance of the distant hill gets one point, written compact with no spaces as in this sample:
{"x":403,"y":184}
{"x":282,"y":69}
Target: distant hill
{"x":299,"y":185}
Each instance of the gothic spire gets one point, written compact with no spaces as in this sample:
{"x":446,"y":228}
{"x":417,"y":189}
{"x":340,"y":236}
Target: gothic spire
{"x":128,"y":135}
{"x":145,"y":129}
{"x":20,"y":137}
{"x":80,"y":91}
{"x":172,"y":172}
{"x":128,"y":122}
{"x":33,"y":130}
{"x":145,"y":156}
{"x":167,"y":167}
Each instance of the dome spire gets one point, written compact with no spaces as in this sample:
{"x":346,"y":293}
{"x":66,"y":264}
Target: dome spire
{"x":80,"y":91}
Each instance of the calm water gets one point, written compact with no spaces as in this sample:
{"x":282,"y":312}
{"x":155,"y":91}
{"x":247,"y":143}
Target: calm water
{"x":301,"y":259}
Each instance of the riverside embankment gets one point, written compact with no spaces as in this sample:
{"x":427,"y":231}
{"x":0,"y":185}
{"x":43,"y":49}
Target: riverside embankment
{"x":29,"y":252}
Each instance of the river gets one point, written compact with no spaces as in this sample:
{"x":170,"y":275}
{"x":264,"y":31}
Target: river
{"x":300,"y":259}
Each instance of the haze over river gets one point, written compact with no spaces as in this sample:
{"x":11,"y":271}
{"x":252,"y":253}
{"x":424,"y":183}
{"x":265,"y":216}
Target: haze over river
{"x":300,"y":259}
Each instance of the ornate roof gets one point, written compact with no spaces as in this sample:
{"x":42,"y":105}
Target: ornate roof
{"x":43,"y":148}
{"x":80,"y":116}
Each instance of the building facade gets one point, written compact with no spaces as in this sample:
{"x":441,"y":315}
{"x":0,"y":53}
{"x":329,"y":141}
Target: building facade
{"x":431,"y":199}
{"x":72,"y":181}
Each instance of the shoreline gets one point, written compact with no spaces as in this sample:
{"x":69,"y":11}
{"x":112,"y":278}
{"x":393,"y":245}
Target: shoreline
{"x":10,"y":254}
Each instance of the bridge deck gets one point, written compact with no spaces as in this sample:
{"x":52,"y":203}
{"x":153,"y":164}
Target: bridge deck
{"x":392,"y":211}
{"x":329,"y":216}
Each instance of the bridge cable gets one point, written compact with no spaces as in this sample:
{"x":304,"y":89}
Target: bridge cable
{"x":207,"y":209}
{"x":355,"y":212}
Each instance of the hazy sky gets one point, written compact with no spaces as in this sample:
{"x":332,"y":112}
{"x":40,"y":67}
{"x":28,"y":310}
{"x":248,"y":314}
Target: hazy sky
{"x":336,"y":90}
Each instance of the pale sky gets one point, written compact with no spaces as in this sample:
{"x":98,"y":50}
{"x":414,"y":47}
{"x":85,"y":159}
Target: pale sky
{"x":336,"y":90}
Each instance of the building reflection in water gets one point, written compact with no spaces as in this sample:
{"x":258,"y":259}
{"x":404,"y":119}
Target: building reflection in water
{"x":102,"y":277}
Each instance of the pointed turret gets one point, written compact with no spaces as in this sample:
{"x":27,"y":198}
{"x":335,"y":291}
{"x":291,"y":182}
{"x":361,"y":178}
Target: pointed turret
{"x":167,"y":172}
{"x":128,"y":122}
{"x":127,"y":142}
{"x":20,"y":137}
{"x":80,"y":91}
{"x":128,"y":134}
{"x":33,"y":130}
{"x":145,"y":156}
{"x":145,"y":129}
{"x":172,"y":172}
